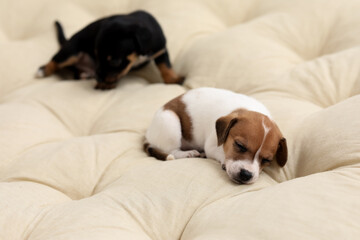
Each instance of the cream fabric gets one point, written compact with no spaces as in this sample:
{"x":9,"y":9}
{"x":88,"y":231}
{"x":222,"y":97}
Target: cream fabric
{"x":72,"y":165}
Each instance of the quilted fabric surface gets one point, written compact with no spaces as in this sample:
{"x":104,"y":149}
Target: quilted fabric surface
{"x":72,"y":165}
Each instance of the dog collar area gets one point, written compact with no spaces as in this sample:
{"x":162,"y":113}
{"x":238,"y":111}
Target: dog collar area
{"x":144,"y":58}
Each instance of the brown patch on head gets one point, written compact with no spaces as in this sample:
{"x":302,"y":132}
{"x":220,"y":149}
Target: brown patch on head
{"x":244,"y":137}
{"x":252,"y":136}
{"x":168,"y":74}
{"x":274,"y":146}
{"x":178,"y":106}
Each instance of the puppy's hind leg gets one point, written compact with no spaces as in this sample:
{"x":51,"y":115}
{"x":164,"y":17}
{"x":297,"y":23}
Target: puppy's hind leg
{"x":68,"y":55}
{"x":59,"y":61}
{"x":164,"y":132}
{"x":164,"y":137}
{"x":168,"y":74}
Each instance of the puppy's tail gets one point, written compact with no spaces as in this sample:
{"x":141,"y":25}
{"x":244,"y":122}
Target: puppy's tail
{"x":60,"y":33}
{"x":156,"y":153}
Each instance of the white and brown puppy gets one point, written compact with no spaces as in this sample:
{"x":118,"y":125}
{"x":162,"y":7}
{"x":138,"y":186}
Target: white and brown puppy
{"x":232,"y":128}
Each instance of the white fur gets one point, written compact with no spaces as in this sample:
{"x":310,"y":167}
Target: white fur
{"x":40,"y":73}
{"x":140,"y":60}
{"x":165,"y":131}
{"x":266,"y":131}
{"x":143,"y":58}
{"x":204,"y":106}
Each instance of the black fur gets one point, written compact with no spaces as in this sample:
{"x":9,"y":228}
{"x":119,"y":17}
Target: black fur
{"x":60,"y":33}
{"x":154,"y":152}
{"x":108,"y":42}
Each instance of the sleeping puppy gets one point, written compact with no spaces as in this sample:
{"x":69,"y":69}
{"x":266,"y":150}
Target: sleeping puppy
{"x":232,"y":128}
{"x":109,"y":48}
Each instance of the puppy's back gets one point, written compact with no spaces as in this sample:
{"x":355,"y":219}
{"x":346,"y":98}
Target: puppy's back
{"x":206,"y":105}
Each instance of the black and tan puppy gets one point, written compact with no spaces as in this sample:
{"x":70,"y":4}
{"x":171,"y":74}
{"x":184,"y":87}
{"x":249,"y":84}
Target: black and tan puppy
{"x":109,"y":48}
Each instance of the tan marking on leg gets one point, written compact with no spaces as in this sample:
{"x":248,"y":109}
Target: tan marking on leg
{"x":110,"y":81}
{"x":158,"y":53}
{"x":169,"y":75}
{"x":53,"y":66}
{"x":70,"y":61}
{"x":132,"y":59}
{"x":50,"y":68}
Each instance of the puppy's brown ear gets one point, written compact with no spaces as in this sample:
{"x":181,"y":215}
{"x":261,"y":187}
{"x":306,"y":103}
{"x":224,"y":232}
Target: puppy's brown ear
{"x":282,"y":153}
{"x":223,"y":126}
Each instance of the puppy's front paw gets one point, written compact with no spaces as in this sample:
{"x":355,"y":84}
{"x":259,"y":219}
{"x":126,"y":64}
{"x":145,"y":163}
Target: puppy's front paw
{"x":170,"y":157}
{"x":183,"y":154}
{"x":192,"y":154}
{"x":86,"y":75}
{"x":105,"y":86}
{"x":180,"y":80}
{"x":202,"y":155}
{"x":173,"y":79}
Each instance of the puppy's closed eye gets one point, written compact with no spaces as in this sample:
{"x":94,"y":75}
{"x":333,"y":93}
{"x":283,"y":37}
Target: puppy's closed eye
{"x":240,"y":147}
{"x":265,"y":161}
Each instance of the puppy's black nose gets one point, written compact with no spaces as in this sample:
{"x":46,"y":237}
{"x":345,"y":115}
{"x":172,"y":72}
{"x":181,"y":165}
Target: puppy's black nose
{"x":245,"y":175}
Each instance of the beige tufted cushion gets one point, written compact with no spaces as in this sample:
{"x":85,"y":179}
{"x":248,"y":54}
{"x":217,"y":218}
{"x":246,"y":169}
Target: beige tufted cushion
{"x":71,"y":162}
